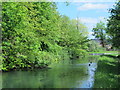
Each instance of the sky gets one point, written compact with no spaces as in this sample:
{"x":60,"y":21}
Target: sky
{"x":89,"y":12}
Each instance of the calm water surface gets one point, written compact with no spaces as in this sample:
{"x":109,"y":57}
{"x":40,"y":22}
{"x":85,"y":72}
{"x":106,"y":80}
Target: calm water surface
{"x":65,"y":74}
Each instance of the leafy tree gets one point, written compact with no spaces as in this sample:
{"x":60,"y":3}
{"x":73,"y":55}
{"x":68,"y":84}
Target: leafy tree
{"x":73,"y":38}
{"x":113,"y":26}
{"x":100,"y":32}
{"x":0,"y":36}
{"x":94,"y":46}
{"x":26,"y":27}
{"x":80,"y":26}
{"x":36,"y":35}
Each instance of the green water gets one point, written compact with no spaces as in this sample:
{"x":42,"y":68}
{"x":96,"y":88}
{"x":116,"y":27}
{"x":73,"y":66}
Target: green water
{"x":65,"y":74}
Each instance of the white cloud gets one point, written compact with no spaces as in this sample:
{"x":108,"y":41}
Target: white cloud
{"x":90,"y":20}
{"x":90,"y":23}
{"x":89,"y":6}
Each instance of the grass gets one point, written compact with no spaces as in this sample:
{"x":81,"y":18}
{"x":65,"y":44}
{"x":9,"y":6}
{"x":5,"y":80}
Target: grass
{"x":107,"y":73}
{"x":109,"y":52}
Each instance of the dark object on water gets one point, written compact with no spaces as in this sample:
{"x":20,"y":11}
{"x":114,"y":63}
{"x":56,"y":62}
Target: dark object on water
{"x":89,"y":64}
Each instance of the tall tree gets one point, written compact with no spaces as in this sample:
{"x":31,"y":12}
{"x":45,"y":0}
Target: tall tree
{"x":100,"y":32}
{"x":113,"y":26}
{"x":35,"y":35}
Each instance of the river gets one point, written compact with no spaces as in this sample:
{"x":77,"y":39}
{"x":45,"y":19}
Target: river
{"x":65,"y":74}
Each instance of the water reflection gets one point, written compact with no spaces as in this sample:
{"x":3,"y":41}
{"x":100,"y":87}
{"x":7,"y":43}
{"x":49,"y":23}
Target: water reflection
{"x":67,"y":74}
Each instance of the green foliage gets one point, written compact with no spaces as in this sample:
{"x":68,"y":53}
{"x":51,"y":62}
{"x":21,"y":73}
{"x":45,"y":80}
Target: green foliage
{"x":104,"y":58}
{"x":100,"y":32}
{"x":107,"y":74}
{"x":113,"y":26}
{"x":35,"y":35}
{"x":94,"y":46}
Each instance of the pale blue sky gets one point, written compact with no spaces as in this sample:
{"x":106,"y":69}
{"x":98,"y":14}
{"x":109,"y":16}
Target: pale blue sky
{"x":88,"y":12}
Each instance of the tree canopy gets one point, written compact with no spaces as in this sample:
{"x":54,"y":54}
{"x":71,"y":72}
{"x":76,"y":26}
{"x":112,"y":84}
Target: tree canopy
{"x":113,"y":26}
{"x":100,"y":32}
{"x":35,"y":35}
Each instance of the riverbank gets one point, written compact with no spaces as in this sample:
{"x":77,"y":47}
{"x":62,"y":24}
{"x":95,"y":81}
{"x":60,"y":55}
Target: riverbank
{"x":105,"y":52}
{"x":107,"y":73}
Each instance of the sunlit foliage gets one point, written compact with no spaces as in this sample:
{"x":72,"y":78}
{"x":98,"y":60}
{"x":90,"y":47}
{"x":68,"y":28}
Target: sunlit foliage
{"x":35,"y":35}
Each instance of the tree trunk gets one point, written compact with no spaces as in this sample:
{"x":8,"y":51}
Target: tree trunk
{"x":102,"y":42}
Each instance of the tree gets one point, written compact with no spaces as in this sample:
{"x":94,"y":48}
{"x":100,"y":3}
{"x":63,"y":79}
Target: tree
{"x":113,"y":25}
{"x":36,"y":35}
{"x":100,"y":32}
{"x":28,"y":30}
{"x":80,"y":27}
{"x":94,"y":46}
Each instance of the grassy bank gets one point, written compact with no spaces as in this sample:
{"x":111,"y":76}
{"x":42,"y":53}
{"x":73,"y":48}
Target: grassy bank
{"x":108,"y":52}
{"x":107,"y":73}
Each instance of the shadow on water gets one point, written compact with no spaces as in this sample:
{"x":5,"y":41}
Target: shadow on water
{"x":66,"y":74}
{"x":107,"y":74}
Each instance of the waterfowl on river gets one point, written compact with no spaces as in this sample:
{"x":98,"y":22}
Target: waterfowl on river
{"x":90,"y":63}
